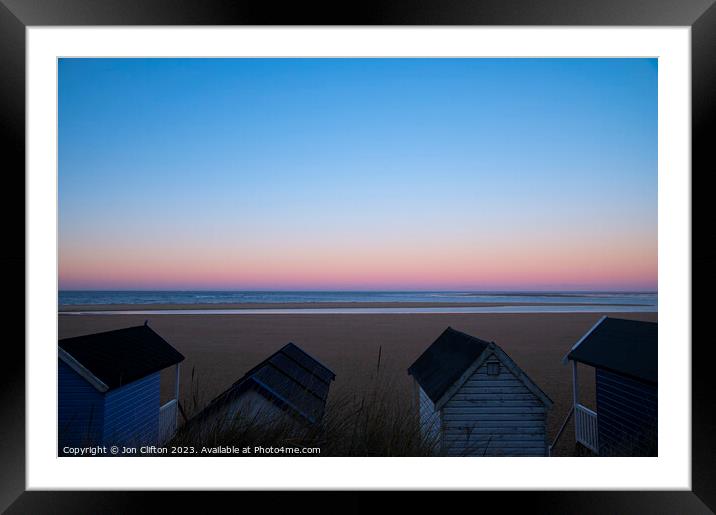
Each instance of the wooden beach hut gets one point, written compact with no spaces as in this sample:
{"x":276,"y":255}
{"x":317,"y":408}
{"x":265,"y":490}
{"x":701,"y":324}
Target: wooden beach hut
{"x":290,"y":386}
{"x":473,"y":400}
{"x":109,"y":388}
{"x":624,"y":356}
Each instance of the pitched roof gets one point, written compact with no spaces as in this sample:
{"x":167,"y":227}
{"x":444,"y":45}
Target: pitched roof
{"x":114,"y":358}
{"x":437,"y":369}
{"x":626,"y":347}
{"x":291,"y":378}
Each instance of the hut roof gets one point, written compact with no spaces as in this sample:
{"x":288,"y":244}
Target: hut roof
{"x":437,"y":369}
{"x":291,"y":378}
{"x":444,"y":366}
{"x":627,"y":347}
{"x":112,"y":359}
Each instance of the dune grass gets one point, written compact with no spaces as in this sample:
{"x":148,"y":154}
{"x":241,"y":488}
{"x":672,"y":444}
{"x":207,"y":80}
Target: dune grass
{"x":376,"y":421}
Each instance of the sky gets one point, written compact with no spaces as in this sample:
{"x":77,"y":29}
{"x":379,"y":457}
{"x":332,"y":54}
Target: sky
{"x":358,"y":174}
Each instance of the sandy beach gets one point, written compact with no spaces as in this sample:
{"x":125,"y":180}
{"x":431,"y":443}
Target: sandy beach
{"x":220,"y":348}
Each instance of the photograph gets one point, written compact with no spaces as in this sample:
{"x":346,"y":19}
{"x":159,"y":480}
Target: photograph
{"x":337,"y":257}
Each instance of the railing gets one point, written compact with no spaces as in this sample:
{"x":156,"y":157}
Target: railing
{"x":585,"y":427}
{"x":167,"y":421}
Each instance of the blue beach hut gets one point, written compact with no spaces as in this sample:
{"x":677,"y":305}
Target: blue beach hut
{"x":109,"y":389}
{"x":624,"y":354}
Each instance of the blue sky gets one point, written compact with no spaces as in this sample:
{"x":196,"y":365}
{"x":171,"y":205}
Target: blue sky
{"x":265,"y":172}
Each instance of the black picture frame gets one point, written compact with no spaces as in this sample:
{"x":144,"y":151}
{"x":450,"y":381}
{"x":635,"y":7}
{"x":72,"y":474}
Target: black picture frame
{"x":17,"y":15}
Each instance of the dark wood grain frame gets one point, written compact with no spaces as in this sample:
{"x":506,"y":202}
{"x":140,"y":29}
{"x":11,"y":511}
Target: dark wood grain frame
{"x":16,"y":15}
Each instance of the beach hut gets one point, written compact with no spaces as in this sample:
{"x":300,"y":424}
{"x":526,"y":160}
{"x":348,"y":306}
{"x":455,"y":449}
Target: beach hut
{"x":624,"y":356}
{"x":290,"y":386}
{"x":473,"y":400}
{"x":109,"y":388}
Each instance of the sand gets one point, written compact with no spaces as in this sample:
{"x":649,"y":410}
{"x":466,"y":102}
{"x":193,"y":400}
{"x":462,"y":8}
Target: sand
{"x":220,"y":348}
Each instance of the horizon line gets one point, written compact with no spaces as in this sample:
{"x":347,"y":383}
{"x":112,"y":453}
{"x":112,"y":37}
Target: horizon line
{"x":233,"y":290}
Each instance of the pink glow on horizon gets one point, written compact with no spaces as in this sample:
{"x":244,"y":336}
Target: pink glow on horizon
{"x":502,"y":266}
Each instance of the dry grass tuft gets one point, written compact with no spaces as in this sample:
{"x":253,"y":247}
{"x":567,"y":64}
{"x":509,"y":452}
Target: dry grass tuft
{"x":374,"y":422}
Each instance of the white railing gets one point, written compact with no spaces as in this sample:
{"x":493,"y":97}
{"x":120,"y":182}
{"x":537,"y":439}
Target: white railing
{"x":167,"y":421}
{"x":585,"y":427}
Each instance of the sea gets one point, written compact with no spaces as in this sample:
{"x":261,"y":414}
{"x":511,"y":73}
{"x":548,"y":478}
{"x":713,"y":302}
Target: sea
{"x":510,"y":302}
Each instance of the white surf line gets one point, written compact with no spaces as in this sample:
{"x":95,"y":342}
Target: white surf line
{"x":596,"y":308}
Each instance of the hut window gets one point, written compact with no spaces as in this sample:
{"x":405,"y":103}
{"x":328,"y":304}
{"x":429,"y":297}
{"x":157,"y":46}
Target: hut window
{"x":493,"y":369}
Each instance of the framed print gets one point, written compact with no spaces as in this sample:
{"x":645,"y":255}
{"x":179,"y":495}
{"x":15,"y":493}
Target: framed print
{"x":431,"y":249}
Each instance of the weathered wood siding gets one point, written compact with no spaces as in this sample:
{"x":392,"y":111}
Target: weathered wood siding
{"x":494,"y":415}
{"x":131,"y":413}
{"x":80,"y":410}
{"x":627,"y":411}
{"x":247,"y":409}
{"x":252,"y":407}
{"x":429,"y":419}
